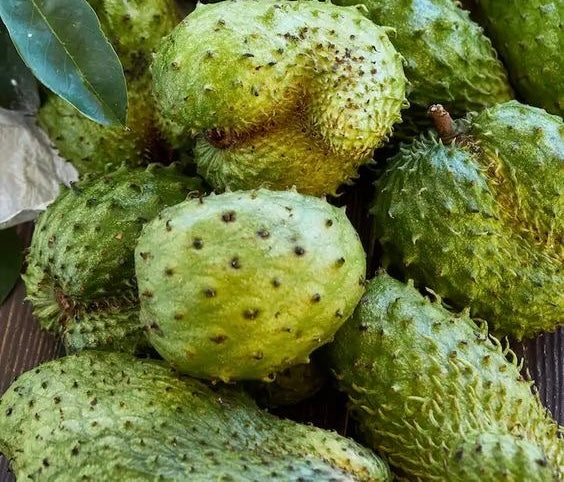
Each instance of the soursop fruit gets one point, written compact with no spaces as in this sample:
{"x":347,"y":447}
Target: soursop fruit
{"x":291,"y":386}
{"x":449,"y":60}
{"x":476,"y":212}
{"x":80,"y":277}
{"x":107,"y":416}
{"x":438,"y":396}
{"x":285,"y":93}
{"x":530,"y":37}
{"x":243,"y":285}
{"x":135,"y":28}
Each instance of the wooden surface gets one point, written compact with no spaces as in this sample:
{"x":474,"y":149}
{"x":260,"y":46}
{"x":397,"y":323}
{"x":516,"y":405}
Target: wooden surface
{"x":23,"y":345}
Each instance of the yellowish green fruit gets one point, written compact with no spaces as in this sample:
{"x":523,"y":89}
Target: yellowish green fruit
{"x":280,"y":93}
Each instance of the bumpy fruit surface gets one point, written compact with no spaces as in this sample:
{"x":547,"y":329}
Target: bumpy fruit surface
{"x":245,"y":284}
{"x":107,"y":417}
{"x":438,"y":396}
{"x":135,"y":28}
{"x":285,"y":93}
{"x":479,"y":216}
{"x":448,"y":58}
{"x":530,"y":38}
{"x":80,"y":277}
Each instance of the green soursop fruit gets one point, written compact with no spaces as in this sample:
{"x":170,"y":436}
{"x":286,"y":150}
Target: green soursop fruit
{"x":285,"y":93}
{"x":291,"y":386}
{"x":448,"y":58}
{"x":476,"y":213}
{"x":530,"y":37}
{"x":80,"y":277}
{"x":245,"y":284}
{"x":135,"y":28}
{"x":107,"y":416}
{"x":438,"y":396}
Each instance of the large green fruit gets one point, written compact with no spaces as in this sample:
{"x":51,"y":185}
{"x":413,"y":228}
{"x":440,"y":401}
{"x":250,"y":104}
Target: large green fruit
{"x":438,"y":396}
{"x":80,"y":277}
{"x":135,"y":28}
{"x":284,"y":93}
{"x":245,"y":284}
{"x":478,"y":216}
{"x":106,"y":417}
{"x":448,"y":58}
{"x":529,"y":35}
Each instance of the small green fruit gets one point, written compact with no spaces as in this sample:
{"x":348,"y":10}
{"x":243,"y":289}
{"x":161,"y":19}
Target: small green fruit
{"x":245,"y":284}
{"x":530,"y":37}
{"x":80,"y":276}
{"x":477,"y":214}
{"x":108,"y":416}
{"x":438,"y":396}
{"x":285,"y":93}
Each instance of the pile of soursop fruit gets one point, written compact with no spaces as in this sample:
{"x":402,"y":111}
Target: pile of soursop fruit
{"x":180,"y":297}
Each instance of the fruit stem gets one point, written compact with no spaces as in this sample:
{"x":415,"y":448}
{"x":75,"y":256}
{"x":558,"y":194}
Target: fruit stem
{"x":443,"y":122}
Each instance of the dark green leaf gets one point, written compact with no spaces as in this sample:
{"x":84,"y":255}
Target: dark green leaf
{"x":11,"y":254}
{"x":18,"y":88}
{"x":62,"y":43}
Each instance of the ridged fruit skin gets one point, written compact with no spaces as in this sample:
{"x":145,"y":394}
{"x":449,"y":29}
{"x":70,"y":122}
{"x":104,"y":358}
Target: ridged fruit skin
{"x":449,"y":60}
{"x":286,"y":93}
{"x":109,"y":416}
{"x":530,"y":38}
{"x":481,"y":220}
{"x":438,"y":396}
{"x":242,"y":285}
{"x":291,"y":386}
{"x":135,"y":28}
{"x":80,"y":277}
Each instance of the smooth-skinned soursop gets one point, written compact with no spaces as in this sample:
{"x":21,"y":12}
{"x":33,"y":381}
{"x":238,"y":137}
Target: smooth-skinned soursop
{"x":284,"y":93}
{"x":438,"y":396}
{"x":80,"y":277}
{"x":108,"y":416}
{"x":449,"y":60}
{"x":530,"y":37}
{"x":243,"y":285}
{"x":135,"y":28}
{"x":476,"y":213}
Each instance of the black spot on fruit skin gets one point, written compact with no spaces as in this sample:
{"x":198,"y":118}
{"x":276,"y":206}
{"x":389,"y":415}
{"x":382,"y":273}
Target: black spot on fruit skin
{"x":250,"y":314}
{"x":198,"y":243}
{"x":263,"y":233}
{"x":235,"y":263}
{"x":299,"y":251}
{"x":209,"y":292}
{"x":276,"y":282}
{"x":229,"y":217}
{"x":316,"y":298}
{"x":218,"y":339}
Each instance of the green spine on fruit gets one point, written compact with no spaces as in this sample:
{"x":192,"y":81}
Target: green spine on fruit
{"x":243,"y":285}
{"x":530,"y":38}
{"x":478,"y":216}
{"x":109,"y":416}
{"x":449,"y":60}
{"x":291,"y":386}
{"x":285,"y":93}
{"x":135,"y":28}
{"x":438,"y":396}
{"x":80,"y":277}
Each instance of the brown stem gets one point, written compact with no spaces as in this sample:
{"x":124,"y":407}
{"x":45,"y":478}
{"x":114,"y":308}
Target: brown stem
{"x":443,"y":122}
{"x":219,"y":139}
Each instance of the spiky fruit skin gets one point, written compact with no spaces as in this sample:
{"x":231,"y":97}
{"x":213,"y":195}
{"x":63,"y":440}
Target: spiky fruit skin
{"x":245,"y":284}
{"x":108,"y":416}
{"x":530,"y":38}
{"x":80,"y":277}
{"x":438,"y":396}
{"x":481,"y":220}
{"x":135,"y":28}
{"x":291,"y":386}
{"x":287,"y":93}
{"x":449,"y":60}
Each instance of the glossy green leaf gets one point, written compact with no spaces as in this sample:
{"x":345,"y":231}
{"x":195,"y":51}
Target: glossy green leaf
{"x":11,"y":255}
{"x":62,"y":43}
{"x":18,"y":88}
